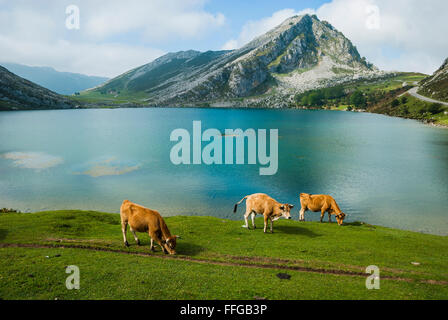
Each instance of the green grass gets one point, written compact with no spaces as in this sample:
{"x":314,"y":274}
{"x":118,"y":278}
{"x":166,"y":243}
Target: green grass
{"x":441,"y":119}
{"x":388,"y":84}
{"x":113,"y":100}
{"x":217,"y":259}
{"x":342,"y":107}
{"x":416,"y":110}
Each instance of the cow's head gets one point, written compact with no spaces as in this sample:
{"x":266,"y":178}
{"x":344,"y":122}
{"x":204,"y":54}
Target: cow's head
{"x":340,"y":218}
{"x":170,"y":244}
{"x":285,"y":210}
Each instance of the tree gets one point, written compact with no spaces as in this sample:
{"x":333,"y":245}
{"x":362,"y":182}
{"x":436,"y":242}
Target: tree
{"x":404,"y":110}
{"x":395,"y":103}
{"x":404,"y":100}
{"x":304,"y":101}
{"x":434,"y":108}
{"x":358,"y":100}
{"x":315,"y":99}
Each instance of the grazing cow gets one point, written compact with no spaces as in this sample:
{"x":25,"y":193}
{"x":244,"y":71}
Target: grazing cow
{"x":141,"y":219}
{"x":322,"y":203}
{"x":260,"y":203}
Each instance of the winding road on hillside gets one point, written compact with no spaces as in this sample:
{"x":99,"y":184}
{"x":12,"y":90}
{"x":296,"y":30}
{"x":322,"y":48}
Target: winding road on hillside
{"x":413,"y":92}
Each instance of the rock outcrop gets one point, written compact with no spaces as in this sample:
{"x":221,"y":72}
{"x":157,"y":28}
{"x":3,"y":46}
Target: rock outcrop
{"x":436,"y":86}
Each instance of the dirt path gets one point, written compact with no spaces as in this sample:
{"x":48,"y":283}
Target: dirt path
{"x":413,"y":92}
{"x":253,"y":260}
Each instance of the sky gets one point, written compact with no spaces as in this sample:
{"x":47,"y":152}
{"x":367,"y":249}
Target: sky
{"x":114,"y":36}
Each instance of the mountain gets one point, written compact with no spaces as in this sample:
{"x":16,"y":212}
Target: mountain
{"x":436,"y":86}
{"x":59,"y":82}
{"x":17,"y":93}
{"x":302,"y":53}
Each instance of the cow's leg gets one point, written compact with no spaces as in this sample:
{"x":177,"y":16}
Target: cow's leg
{"x":135,"y":236}
{"x":322,"y":214}
{"x":152,"y":245}
{"x":302,"y":214}
{"x":272,"y":225}
{"x":156,"y":237}
{"x":253,"y":220}
{"x":265,"y":223}
{"x":246,"y":216}
{"x":329,"y":217}
{"x":124,"y":227}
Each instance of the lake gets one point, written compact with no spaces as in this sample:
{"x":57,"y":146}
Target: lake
{"x":381,"y":170}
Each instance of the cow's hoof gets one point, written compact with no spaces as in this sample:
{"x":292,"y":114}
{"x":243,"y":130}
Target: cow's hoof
{"x":126,"y":244}
{"x":152,"y":249}
{"x":138,"y":242}
{"x":247,"y":227}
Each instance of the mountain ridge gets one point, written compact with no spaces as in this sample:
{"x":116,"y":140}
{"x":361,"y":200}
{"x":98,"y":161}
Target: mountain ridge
{"x":60,"y":82}
{"x":300,"y":54}
{"x":17,"y":93}
{"x":436,"y":86}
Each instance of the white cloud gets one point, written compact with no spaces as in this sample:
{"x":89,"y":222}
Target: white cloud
{"x":109,"y":59}
{"x":155,"y":19}
{"x":411,"y":34}
{"x":407,"y":35}
{"x":114,"y":37}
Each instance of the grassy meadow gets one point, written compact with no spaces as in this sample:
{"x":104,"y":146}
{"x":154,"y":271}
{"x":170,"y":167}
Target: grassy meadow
{"x":216,"y":259}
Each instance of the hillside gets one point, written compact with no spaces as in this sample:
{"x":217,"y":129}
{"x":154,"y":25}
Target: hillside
{"x":217,"y":259}
{"x":436,"y":86}
{"x":60,"y":82}
{"x":17,"y":93}
{"x":300,"y":54}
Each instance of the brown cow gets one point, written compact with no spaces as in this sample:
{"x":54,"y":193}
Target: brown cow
{"x":260,"y":203}
{"x":141,"y":219}
{"x":322,"y":203}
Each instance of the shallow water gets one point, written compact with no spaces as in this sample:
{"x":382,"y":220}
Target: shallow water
{"x":381,"y":170}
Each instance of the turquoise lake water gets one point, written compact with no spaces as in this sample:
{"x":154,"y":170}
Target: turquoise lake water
{"x":381,"y":170}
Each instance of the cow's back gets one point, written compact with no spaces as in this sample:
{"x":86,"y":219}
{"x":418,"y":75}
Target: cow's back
{"x":140,"y":218}
{"x":313,"y":202}
{"x":260,"y":203}
{"x":316,"y":202}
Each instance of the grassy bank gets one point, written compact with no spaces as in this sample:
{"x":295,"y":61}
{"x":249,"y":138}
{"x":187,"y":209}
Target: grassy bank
{"x":217,"y":259}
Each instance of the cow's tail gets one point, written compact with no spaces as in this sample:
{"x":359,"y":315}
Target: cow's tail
{"x":236,"y":204}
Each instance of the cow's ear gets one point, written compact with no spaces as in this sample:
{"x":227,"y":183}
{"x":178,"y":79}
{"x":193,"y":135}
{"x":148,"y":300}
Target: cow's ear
{"x":291,"y":206}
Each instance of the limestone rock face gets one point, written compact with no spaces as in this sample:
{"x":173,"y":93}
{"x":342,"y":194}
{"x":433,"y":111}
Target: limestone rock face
{"x":300,"y":54}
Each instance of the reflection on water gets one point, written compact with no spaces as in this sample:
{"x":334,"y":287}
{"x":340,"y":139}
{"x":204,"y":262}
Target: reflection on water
{"x":32,"y":160}
{"x":107,"y":167}
{"x":381,"y":170}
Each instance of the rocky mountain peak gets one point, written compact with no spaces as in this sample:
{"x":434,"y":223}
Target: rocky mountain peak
{"x":301,"y":53}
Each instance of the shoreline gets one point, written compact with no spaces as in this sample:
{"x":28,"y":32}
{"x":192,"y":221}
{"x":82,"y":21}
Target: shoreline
{"x":429,"y":123}
{"x":351,"y":223}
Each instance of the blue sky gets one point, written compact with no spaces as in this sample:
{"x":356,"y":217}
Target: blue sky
{"x":115,"y":35}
